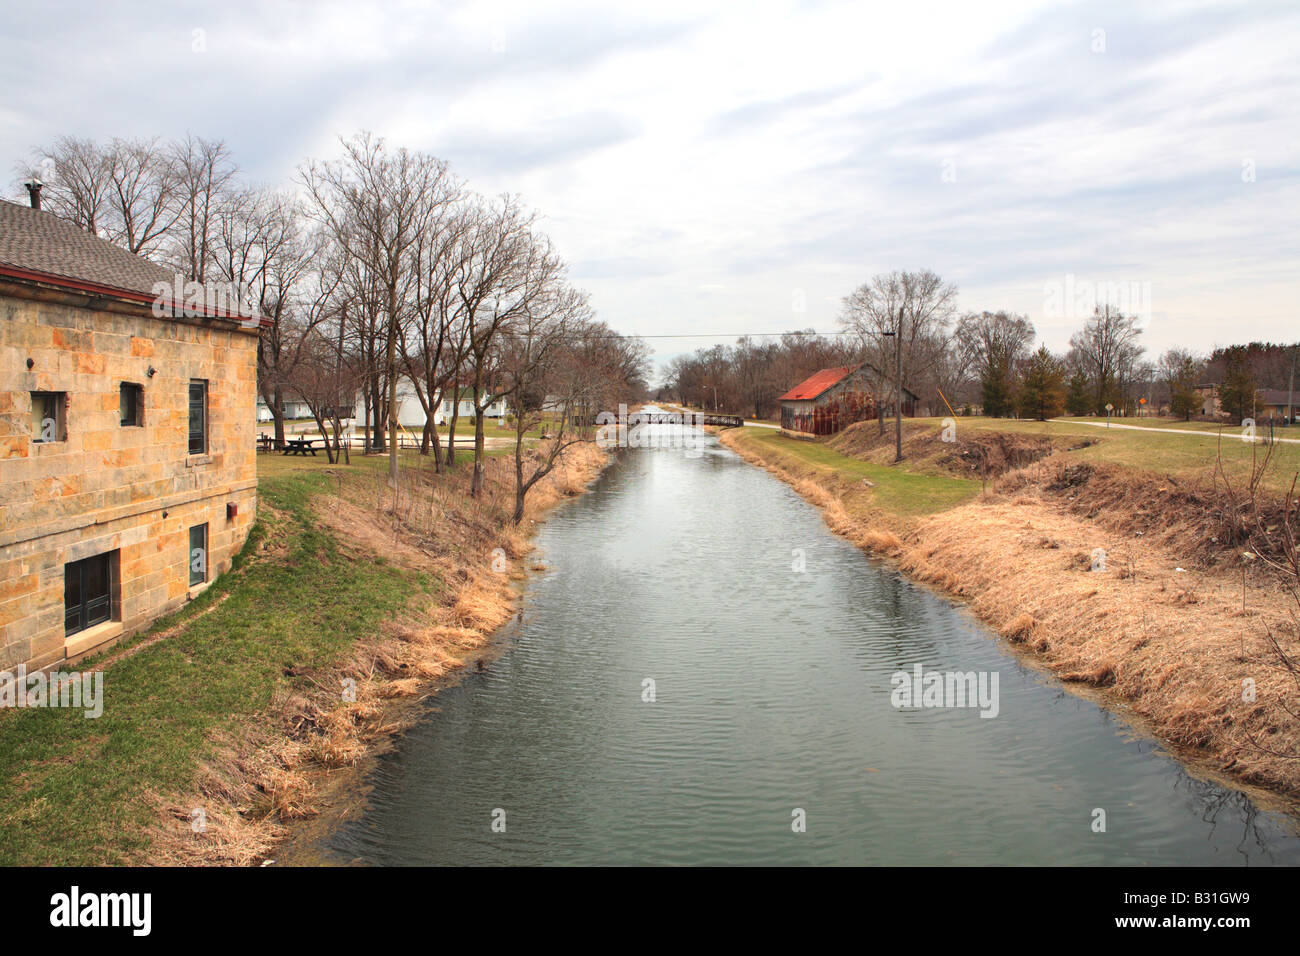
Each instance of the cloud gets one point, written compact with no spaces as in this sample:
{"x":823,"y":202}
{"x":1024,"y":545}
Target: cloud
{"x":542,"y":143}
{"x":699,"y":165}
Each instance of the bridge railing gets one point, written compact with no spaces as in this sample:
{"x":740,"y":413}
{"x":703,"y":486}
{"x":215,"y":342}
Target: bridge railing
{"x":670,"y":418}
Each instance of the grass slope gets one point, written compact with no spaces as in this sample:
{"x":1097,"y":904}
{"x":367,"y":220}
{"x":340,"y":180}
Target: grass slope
{"x":76,"y":790}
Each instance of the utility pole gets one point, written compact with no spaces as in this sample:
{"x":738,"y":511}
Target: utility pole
{"x":1290,"y":390}
{"x":898,"y":388}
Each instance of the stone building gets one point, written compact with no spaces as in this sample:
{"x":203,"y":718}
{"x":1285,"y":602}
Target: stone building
{"x":127,"y":453}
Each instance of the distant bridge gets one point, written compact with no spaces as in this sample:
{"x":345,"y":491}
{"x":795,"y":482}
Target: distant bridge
{"x":671,"y":418}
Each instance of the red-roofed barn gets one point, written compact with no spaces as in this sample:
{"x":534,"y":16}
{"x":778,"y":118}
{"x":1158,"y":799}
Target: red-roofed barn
{"x":835,"y":398}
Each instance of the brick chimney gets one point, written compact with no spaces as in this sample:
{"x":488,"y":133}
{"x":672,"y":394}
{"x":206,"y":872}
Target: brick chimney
{"x":34,"y":191}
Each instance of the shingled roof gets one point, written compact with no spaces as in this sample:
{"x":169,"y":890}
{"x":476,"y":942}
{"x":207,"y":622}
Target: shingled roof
{"x":39,"y":242}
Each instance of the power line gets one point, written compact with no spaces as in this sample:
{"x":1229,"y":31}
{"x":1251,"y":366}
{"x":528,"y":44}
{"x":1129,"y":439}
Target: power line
{"x":715,"y":335}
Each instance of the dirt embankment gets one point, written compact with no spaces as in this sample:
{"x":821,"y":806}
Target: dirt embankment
{"x":307,"y":750}
{"x":1132,"y":587}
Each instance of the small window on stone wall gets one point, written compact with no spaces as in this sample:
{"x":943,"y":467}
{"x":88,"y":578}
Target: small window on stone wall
{"x":49,"y":414}
{"x":132,"y":402}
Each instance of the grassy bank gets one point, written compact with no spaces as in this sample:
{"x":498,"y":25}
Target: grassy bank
{"x":1168,"y":630}
{"x":232,"y":707}
{"x":1157,"y":449}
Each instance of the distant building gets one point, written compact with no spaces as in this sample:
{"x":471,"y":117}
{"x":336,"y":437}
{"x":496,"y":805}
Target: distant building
{"x":1209,"y":395}
{"x":292,"y":409}
{"x":442,"y":414}
{"x":410,"y":413}
{"x":835,"y":398}
{"x":1276,"y":403}
{"x":128,"y":478}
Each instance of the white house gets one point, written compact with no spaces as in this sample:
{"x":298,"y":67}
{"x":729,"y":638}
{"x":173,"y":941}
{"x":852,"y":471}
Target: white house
{"x":410,"y":414}
{"x":292,"y":410}
{"x":442,"y":414}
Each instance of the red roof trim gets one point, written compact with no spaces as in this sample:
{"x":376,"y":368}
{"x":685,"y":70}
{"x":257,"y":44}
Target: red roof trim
{"x":94,"y":288}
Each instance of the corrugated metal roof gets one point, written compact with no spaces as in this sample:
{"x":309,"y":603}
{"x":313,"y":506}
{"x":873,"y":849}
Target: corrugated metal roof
{"x":815,"y":384}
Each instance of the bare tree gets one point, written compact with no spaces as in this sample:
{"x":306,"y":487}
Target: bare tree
{"x":143,"y":198}
{"x":1107,"y":349}
{"x":327,"y":383}
{"x":259,"y":243}
{"x":432,"y":345}
{"x":81,"y":182}
{"x":536,"y":365}
{"x":204,"y":170}
{"x":504,"y":270}
{"x":378,"y":205}
{"x":992,"y":344}
{"x":898,"y":317}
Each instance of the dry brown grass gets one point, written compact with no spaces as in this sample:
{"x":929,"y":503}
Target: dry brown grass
{"x":974,"y":453}
{"x":282,"y":766}
{"x":1174,"y":646}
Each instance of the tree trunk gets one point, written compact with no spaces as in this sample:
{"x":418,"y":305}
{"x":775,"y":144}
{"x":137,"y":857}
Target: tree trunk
{"x":476,"y":482}
{"x":520,"y":490}
{"x":277,"y":415}
{"x":451,"y":428}
{"x":392,"y":387}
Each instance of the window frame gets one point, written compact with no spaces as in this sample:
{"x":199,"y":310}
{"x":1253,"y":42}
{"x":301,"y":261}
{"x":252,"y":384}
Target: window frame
{"x":202,"y":384}
{"x":189,"y":563}
{"x":101,"y":603}
{"x":60,"y":418}
{"x":136,"y":390}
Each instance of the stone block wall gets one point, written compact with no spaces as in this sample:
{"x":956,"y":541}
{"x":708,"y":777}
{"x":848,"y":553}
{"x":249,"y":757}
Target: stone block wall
{"x":134,"y":491}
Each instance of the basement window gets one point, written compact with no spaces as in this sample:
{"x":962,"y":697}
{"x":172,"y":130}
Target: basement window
{"x":198,"y":554}
{"x":131,"y":397}
{"x":49,"y":414}
{"x":86,"y":593}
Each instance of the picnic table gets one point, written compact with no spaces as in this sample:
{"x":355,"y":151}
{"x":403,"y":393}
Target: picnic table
{"x":264,"y":442}
{"x":299,"y":446}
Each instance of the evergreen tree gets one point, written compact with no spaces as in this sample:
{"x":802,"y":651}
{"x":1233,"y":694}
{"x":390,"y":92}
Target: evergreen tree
{"x":1078,"y":401}
{"x":1237,"y":393}
{"x":1042,"y":393}
{"x":996,"y":392}
{"x":1184,"y":400}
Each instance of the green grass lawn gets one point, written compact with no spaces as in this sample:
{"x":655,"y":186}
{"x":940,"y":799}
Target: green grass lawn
{"x":72,"y":790}
{"x":464,"y":430}
{"x":898,"y":488}
{"x":274,"y":463}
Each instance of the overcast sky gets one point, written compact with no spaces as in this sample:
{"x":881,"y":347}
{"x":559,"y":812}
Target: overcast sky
{"x":742,"y":168}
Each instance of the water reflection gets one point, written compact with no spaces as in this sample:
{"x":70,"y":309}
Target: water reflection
{"x":772,"y":693}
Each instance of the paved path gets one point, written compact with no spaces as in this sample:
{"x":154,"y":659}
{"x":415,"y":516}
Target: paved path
{"x":1228,"y":432}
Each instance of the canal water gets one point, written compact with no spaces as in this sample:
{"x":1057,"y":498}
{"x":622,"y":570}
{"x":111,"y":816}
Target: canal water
{"x":772,"y":735}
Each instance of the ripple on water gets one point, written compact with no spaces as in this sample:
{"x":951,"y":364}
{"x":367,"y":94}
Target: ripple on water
{"x":772,"y":693}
